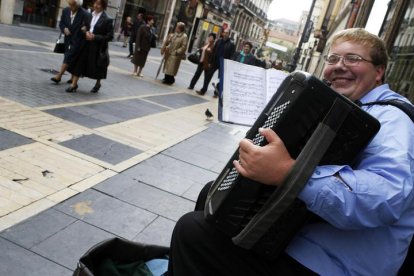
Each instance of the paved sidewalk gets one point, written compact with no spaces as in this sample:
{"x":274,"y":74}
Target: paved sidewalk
{"x":79,"y":168}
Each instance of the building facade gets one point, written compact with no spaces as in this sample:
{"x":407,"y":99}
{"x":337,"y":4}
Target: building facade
{"x":397,"y":31}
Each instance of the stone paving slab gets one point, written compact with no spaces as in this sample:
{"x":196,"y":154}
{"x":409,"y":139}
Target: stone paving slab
{"x":176,"y":100}
{"x":76,"y":117}
{"x":17,"y":261}
{"x":40,"y":227}
{"x":173,"y":175}
{"x":212,"y":149}
{"x":102,"y":148}
{"x":67,"y":246}
{"x":107,"y":213}
{"x":10,"y":139}
{"x":159,"y":232}
{"x":101,"y":114}
{"x":144,"y":196}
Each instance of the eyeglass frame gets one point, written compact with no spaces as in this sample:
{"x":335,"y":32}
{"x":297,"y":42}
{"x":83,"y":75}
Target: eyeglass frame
{"x":344,"y":58}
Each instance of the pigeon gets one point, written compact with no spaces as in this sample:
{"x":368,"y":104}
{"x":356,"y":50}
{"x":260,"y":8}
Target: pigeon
{"x":209,"y":114}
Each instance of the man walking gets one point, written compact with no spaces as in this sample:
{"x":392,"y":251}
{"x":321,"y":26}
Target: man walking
{"x":139,"y":20}
{"x":223,"y":49}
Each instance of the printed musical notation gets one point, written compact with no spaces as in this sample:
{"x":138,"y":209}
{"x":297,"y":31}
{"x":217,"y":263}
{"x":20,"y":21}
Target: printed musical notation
{"x":246,"y":91}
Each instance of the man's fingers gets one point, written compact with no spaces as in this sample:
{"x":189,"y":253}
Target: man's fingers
{"x":269,"y":135}
{"x":239,"y":167}
{"x":246,"y":145}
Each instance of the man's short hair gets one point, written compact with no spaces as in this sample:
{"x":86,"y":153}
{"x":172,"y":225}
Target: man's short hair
{"x":104,"y":3}
{"x":248,"y":43}
{"x":358,"y":35}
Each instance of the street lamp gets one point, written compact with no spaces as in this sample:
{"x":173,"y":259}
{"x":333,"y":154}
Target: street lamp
{"x":293,"y":64}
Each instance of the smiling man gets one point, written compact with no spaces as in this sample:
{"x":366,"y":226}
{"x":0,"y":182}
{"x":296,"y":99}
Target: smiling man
{"x":367,"y":209}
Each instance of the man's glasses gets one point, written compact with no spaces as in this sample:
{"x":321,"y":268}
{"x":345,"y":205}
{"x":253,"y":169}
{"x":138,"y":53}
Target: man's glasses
{"x":348,"y":60}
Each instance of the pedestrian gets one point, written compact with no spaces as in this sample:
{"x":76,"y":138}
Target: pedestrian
{"x":74,"y":23}
{"x":94,"y":59}
{"x":223,"y":49}
{"x":126,"y":30}
{"x":245,"y":55}
{"x":139,"y":20}
{"x":367,"y":209}
{"x":142,"y":45}
{"x":203,"y":65}
{"x":173,"y":50}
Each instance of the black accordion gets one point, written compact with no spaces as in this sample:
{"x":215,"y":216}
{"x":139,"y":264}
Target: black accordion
{"x":318,"y":127}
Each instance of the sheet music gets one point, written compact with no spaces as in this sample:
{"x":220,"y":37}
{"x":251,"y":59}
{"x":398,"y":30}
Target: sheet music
{"x":274,"y":79}
{"x":245,"y":91}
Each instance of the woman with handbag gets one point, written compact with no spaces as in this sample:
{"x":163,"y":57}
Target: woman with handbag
{"x":94,"y":59}
{"x":202,"y":66}
{"x":74,"y":22}
{"x":173,"y":50}
{"x":142,"y":45}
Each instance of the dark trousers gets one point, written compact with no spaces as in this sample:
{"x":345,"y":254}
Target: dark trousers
{"x":197,"y":75}
{"x":131,"y":46}
{"x":207,"y":78}
{"x":198,"y":248}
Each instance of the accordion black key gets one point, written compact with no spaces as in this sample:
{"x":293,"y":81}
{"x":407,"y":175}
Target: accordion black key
{"x":318,"y":126}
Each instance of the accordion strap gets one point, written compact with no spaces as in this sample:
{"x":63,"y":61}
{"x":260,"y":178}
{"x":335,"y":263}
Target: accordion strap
{"x":404,"y":106}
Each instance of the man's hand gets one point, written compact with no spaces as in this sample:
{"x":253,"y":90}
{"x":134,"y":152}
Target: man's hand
{"x":66,"y":31}
{"x":269,"y":164}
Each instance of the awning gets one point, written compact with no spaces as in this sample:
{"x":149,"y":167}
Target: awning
{"x":276,"y":46}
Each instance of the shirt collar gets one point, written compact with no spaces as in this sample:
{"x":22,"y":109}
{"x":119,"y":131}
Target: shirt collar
{"x":96,"y":14}
{"x":379,"y":92}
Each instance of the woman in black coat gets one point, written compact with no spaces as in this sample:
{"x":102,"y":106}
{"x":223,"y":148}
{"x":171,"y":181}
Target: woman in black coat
{"x":94,"y":59}
{"x":142,"y":45}
{"x":74,"y":22}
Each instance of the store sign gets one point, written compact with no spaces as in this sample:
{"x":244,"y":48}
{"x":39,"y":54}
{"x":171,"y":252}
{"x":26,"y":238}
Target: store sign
{"x":205,"y":26}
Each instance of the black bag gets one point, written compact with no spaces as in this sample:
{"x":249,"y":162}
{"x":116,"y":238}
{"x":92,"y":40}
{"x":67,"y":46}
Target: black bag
{"x":121,"y":255}
{"x":153,"y":41}
{"x":194,"y":57}
{"x":60,"y":44}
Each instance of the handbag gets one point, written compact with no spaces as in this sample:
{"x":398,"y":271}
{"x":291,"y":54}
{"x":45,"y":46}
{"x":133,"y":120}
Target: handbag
{"x":153,"y":41}
{"x":60,"y":44}
{"x":194,"y":57}
{"x":121,"y":257}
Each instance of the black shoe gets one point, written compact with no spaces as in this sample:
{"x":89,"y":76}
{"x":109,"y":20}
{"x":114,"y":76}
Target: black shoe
{"x":216,"y":88}
{"x":55,"y":80}
{"x":190,"y":88}
{"x":71,"y":89}
{"x":130,"y":55}
{"x":69,"y":81}
{"x":200,"y":92}
{"x":96,"y":88}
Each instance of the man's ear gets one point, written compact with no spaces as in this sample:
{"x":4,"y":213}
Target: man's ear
{"x":380,"y":74}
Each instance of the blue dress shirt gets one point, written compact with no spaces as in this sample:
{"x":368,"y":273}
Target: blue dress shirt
{"x":370,"y":208}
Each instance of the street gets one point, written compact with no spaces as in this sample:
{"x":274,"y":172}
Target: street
{"x":78,"y":168}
